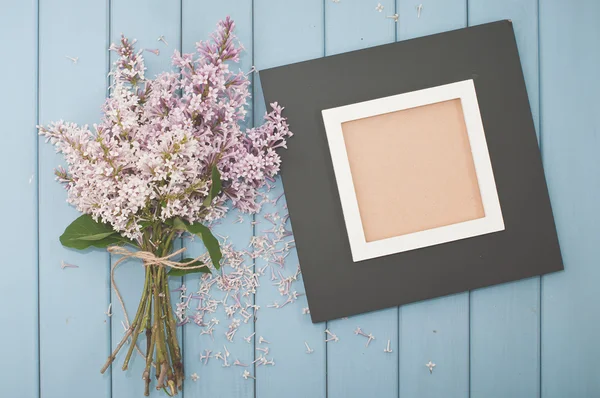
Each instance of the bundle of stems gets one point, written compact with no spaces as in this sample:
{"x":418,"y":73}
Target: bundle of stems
{"x":156,"y":319}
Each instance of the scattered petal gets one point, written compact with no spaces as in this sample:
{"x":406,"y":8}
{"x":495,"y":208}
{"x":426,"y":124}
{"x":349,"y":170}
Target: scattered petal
{"x":162,"y":38}
{"x":64,"y":265}
{"x":246,"y":375}
{"x":308,"y":349}
{"x":388,"y":348}
{"x":430,"y":365}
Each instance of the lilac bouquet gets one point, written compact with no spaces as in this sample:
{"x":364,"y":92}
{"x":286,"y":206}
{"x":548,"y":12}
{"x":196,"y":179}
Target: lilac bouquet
{"x":168,"y":157}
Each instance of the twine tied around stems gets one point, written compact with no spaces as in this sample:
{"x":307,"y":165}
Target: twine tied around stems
{"x":148,"y":259}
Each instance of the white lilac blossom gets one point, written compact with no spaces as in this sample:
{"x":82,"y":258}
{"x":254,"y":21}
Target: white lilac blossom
{"x":150,"y":158}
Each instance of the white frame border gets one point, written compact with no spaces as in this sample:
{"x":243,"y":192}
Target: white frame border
{"x":491,"y":222}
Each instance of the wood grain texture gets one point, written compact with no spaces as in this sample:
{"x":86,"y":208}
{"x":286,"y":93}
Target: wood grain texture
{"x":74,"y":330}
{"x":215,"y":379}
{"x":353,"y":368}
{"x":18,"y":111}
{"x":354,"y":24}
{"x":435,"y":330}
{"x":152,"y":19}
{"x":570,"y":105}
{"x":520,"y":339}
{"x":286,"y":32}
{"x":438,"y":331}
{"x":505,"y":353}
{"x":505,"y":319}
{"x":199,"y":21}
{"x":436,"y":16}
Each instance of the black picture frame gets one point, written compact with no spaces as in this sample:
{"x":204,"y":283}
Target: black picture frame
{"x":335,"y":285}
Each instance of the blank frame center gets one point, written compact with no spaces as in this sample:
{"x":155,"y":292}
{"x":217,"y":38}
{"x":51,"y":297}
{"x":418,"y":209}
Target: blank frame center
{"x":413,"y":170}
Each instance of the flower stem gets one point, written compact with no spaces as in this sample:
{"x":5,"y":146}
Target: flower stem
{"x":112,"y":357}
{"x":151,"y":340}
{"x":161,"y":349}
{"x":172,"y":335}
{"x":141,"y":314}
{"x":155,"y":314}
{"x":169,"y":352}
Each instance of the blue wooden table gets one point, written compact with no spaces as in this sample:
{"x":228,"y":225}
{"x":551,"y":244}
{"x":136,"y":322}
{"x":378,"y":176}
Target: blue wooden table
{"x":533,"y":338}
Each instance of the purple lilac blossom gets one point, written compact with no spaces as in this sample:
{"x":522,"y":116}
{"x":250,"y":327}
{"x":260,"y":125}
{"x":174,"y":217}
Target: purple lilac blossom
{"x":150,"y":159}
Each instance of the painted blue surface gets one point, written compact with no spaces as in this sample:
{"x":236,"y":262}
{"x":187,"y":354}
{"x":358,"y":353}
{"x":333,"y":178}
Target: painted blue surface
{"x":532,"y":338}
{"x":570,"y":126}
{"x":74,"y":332}
{"x":19,"y":285}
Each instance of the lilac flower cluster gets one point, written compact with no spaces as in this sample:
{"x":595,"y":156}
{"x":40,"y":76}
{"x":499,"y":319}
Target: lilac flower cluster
{"x":151,"y":157}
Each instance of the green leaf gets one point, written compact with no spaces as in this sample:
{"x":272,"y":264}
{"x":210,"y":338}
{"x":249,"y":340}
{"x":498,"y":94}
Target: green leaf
{"x":85,"y":232}
{"x":181,"y":272}
{"x":86,"y":228}
{"x":145,"y":224}
{"x":179,"y":224}
{"x":211,"y":243}
{"x":97,"y":236}
{"x":109,"y":241}
{"x":125,"y":241}
{"x":215,"y":187}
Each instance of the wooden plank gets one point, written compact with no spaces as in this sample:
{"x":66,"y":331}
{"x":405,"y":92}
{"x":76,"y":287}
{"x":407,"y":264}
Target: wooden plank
{"x":435,"y":16}
{"x":353,"y":368}
{"x":18,"y":110}
{"x":72,"y":301}
{"x":505,"y":340}
{"x":569,"y":58}
{"x":286,"y":32}
{"x":354,"y":24}
{"x":215,"y":380}
{"x":199,"y":21}
{"x":152,"y":19}
{"x":505,"y":319}
{"x":435,"y":330}
{"x":438,"y":331}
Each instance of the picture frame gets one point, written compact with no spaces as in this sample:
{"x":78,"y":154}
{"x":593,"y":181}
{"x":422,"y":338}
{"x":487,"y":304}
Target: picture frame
{"x":491,"y":221}
{"x":338,"y":286}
